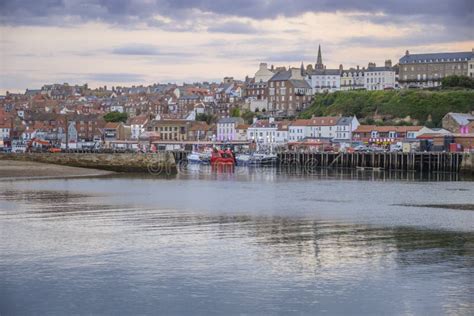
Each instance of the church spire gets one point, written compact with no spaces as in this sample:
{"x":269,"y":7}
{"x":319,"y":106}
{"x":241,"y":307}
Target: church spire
{"x":319,"y":60}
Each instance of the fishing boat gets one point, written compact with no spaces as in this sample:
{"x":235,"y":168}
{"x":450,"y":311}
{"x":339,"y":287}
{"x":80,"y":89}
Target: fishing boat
{"x":222,"y":158}
{"x":242,"y":159}
{"x":194,"y":157}
{"x":261,"y":159}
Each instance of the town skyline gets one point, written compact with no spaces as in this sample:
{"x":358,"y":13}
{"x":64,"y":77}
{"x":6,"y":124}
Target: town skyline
{"x":146,"y":42}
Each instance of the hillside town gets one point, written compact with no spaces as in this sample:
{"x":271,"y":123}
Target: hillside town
{"x":258,"y":112}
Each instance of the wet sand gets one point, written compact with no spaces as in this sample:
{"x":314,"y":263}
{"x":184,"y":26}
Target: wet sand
{"x":12,"y":170}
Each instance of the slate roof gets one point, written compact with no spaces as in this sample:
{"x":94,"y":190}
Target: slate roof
{"x":345,"y":120}
{"x":462,"y":118}
{"x":281,"y":76}
{"x":300,"y":84}
{"x":325,"y":72}
{"x":382,"y":68}
{"x":230,"y":120}
{"x":420,"y":58}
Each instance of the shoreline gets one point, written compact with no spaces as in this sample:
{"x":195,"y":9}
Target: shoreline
{"x":12,"y":170}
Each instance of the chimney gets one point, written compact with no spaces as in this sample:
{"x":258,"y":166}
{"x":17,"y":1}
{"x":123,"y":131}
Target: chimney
{"x":407,"y":53}
{"x":388,"y":63}
{"x":340,"y":67}
{"x":296,"y":73}
{"x":272,"y":68}
{"x":263,"y":66}
{"x":357,"y":67}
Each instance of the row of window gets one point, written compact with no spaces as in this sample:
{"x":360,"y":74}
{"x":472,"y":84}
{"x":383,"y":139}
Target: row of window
{"x":437,"y":60}
{"x":453,"y":67}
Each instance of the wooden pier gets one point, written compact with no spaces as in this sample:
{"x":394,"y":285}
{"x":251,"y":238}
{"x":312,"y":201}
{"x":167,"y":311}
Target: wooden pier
{"x":421,"y":162}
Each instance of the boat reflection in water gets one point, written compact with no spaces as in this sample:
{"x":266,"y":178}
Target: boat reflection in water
{"x":253,"y":241}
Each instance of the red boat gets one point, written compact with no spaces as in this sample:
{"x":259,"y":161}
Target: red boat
{"x":222,"y":158}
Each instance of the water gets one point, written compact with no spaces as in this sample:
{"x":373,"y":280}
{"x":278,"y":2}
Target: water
{"x":251,"y":242}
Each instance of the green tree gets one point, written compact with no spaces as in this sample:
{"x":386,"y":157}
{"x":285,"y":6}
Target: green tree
{"x":208,"y":118}
{"x":235,"y":112}
{"x":457,"y":82}
{"x":116,"y":117}
{"x":248,"y":116}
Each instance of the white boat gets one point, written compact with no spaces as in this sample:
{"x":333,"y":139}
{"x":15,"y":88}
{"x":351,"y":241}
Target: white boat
{"x":194,"y":158}
{"x":242,"y":159}
{"x":263,"y":159}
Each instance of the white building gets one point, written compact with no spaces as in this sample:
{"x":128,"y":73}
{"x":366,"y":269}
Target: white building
{"x":344,"y":128}
{"x":352,"y":79}
{"x":137,"y":126}
{"x":4,"y":131}
{"x":380,"y":78}
{"x":333,"y":127}
{"x":268,"y":132}
{"x":227,"y":128}
{"x":262,"y":131}
{"x":324,"y":80}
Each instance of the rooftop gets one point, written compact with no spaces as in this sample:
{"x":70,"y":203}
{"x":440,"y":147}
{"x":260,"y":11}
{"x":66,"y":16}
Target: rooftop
{"x":436,"y":57}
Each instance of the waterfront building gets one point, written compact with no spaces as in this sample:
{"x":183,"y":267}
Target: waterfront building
{"x":137,"y":125}
{"x":175,"y":130}
{"x":241,"y":132}
{"x":262,"y":131}
{"x":344,"y":128}
{"x":268,"y":132}
{"x":462,"y":123}
{"x":380,"y":78}
{"x":227,"y":128}
{"x":114,"y":131}
{"x":427,"y":70}
{"x":385,"y":134}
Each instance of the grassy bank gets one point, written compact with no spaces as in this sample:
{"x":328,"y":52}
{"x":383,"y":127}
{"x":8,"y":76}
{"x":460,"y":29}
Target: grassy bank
{"x":421,"y":106}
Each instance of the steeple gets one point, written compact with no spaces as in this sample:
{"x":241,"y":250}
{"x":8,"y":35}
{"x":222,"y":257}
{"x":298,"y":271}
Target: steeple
{"x":319,"y":60}
{"x":302,"y":69}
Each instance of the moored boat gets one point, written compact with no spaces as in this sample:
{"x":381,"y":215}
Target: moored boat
{"x":194,"y":158}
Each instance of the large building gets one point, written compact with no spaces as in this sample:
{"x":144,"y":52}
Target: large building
{"x":427,"y":70}
{"x":380,"y":78}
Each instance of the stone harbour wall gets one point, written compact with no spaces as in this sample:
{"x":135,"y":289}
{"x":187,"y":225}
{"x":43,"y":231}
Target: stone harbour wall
{"x":158,"y":163}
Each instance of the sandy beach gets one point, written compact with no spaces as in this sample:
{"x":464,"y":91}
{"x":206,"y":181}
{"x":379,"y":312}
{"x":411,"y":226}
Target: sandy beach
{"x":11,"y":170}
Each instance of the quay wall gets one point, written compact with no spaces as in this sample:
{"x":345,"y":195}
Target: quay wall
{"x":157,"y":163}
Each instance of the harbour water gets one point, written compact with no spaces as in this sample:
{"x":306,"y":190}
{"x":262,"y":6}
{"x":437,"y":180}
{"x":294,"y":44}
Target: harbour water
{"x":248,"y":242}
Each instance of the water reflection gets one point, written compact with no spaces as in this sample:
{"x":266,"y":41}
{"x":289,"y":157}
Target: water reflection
{"x":271,"y":172}
{"x":67,"y":251}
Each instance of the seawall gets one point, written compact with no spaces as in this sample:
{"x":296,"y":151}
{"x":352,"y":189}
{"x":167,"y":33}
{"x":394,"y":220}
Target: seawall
{"x":158,"y":163}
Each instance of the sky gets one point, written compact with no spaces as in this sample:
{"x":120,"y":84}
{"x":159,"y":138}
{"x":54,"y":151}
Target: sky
{"x":124,"y":43}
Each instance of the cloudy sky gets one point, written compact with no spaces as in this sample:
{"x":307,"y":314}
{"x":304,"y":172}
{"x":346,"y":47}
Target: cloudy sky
{"x":120,"y":42}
